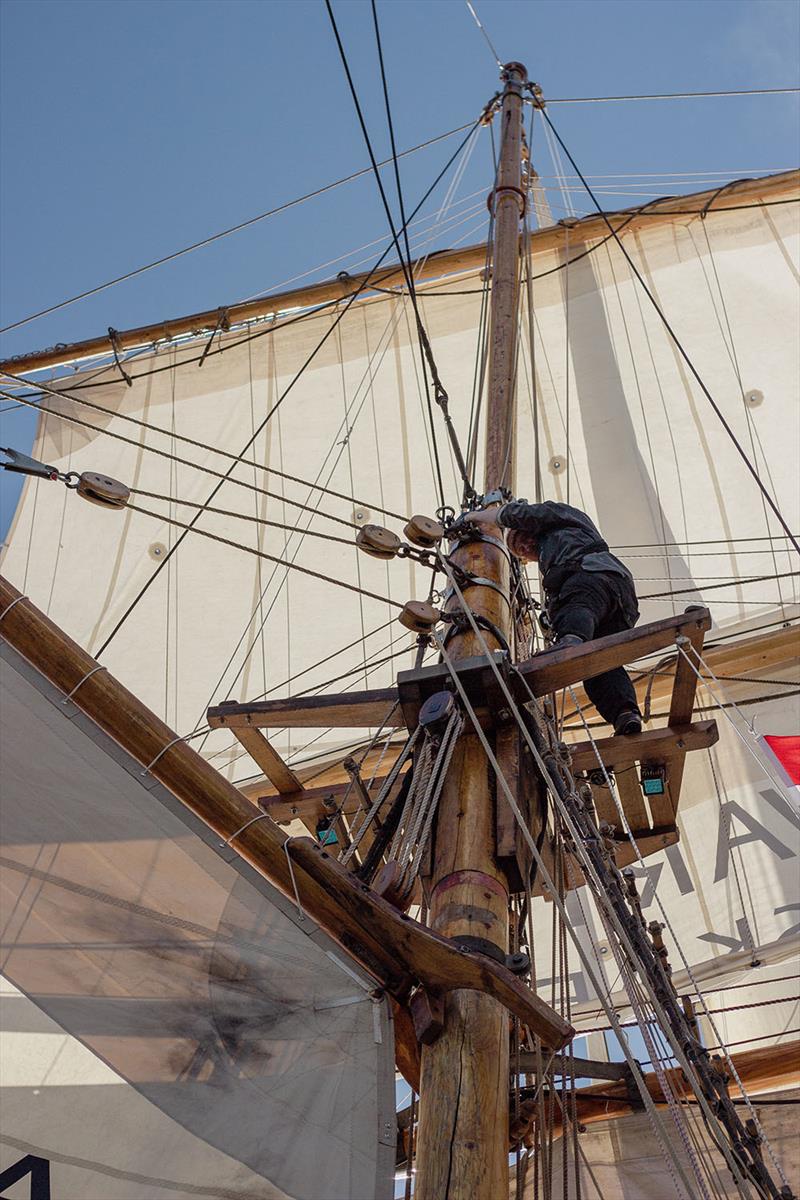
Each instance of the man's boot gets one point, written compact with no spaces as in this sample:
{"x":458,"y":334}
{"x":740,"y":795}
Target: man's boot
{"x":569,"y":639}
{"x":566,"y":639}
{"x":628,"y":722}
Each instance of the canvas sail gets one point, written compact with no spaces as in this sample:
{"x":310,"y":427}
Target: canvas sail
{"x":172,"y":1026}
{"x":624,"y":432}
{"x":647,"y":458}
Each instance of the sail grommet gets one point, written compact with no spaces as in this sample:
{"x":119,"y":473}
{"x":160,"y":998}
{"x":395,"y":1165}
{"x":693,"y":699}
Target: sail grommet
{"x":754,"y":397}
{"x":558,"y":463}
{"x":103,"y":490}
{"x":424,"y":531}
{"x":419,"y":616}
{"x":377,"y":541}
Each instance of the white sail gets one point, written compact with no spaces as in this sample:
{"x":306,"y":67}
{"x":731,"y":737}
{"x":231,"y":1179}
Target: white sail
{"x":625,"y":433}
{"x":648,"y":459}
{"x":172,"y":1026}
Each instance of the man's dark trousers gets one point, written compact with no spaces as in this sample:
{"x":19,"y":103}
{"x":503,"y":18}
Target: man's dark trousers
{"x":592,"y":604}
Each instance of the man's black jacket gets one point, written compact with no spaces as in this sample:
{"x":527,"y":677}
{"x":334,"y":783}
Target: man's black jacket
{"x":566,"y":539}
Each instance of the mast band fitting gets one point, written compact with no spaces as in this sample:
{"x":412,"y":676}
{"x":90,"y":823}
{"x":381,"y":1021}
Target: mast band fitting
{"x":472,"y":878}
{"x":499,"y":191}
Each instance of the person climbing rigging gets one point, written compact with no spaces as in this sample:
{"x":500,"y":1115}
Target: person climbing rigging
{"x":589,"y":593}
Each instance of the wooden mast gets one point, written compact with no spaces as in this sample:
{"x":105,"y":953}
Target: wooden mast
{"x":462,"y":1149}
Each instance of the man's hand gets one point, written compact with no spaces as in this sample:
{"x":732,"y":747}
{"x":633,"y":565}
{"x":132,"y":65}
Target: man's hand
{"x":483,"y":516}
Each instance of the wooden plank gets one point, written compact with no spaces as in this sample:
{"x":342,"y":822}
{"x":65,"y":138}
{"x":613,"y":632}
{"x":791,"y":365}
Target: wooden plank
{"x":655,"y":744}
{"x":760,"y":1069}
{"x":663,"y":808}
{"x":629,"y":790}
{"x":587,"y":1068}
{"x":760,"y":654}
{"x":341,"y":710}
{"x":507,"y":750}
{"x":266,"y":757}
{"x":395,"y":949}
{"x":684,"y":691}
{"x":558,"y":668}
{"x":322,"y":776}
{"x":314,"y":802}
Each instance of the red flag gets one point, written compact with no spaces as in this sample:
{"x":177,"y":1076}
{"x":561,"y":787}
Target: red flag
{"x":787,"y":752}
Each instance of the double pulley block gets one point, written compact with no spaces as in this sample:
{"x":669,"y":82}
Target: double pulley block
{"x":424,"y":534}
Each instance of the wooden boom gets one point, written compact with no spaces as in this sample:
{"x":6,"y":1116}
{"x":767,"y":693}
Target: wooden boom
{"x":432,"y":267}
{"x":399,"y":952}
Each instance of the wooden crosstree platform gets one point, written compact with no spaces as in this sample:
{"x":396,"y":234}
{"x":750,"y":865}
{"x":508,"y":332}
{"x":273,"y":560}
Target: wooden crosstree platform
{"x":652,"y":819}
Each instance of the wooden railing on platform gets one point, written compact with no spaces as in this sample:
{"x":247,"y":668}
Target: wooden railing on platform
{"x":652,"y":821}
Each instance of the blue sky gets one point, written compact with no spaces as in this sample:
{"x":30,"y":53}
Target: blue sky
{"x":134,"y":127}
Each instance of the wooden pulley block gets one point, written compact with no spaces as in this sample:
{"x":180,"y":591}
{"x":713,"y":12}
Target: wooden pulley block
{"x":437,"y":711}
{"x":103,"y":490}
{"x":419,"y":616}
{"x":377,"y":541}
{"x":389,"y":884}
{"x":424,"y":531}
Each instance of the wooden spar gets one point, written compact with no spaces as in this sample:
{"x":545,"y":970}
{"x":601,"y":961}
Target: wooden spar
{"x":760,"y":1069}
{"x":271,"y":763}
{"x":654,"y":744}
{"x":346,"y":710}
{"x":462,"y":1148}
{"x":433,"y":266}
{"x":762,"y":652}
{"x":560,"y":668}
{"x":393,"y":948}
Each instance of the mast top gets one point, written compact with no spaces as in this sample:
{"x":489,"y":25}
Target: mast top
{"x":511,"y":69}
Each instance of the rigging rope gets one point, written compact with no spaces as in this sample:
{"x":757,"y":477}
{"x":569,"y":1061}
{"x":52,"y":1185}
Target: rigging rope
{"x":710,"y":587}
{"x":426,"y":354}
{"x":274,"y":408}
{"x":226,"y":232}
{"x":240,"y":516}
{"x":735,"y":1162}
{"x":190,"y":528}
{"x":706,"y":1012}
{"x":486,"y":37}
{"x":542,"y":866}
{"x":187,"y":463}
{"x":677,"y":342}
{"x":787,"y":91}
